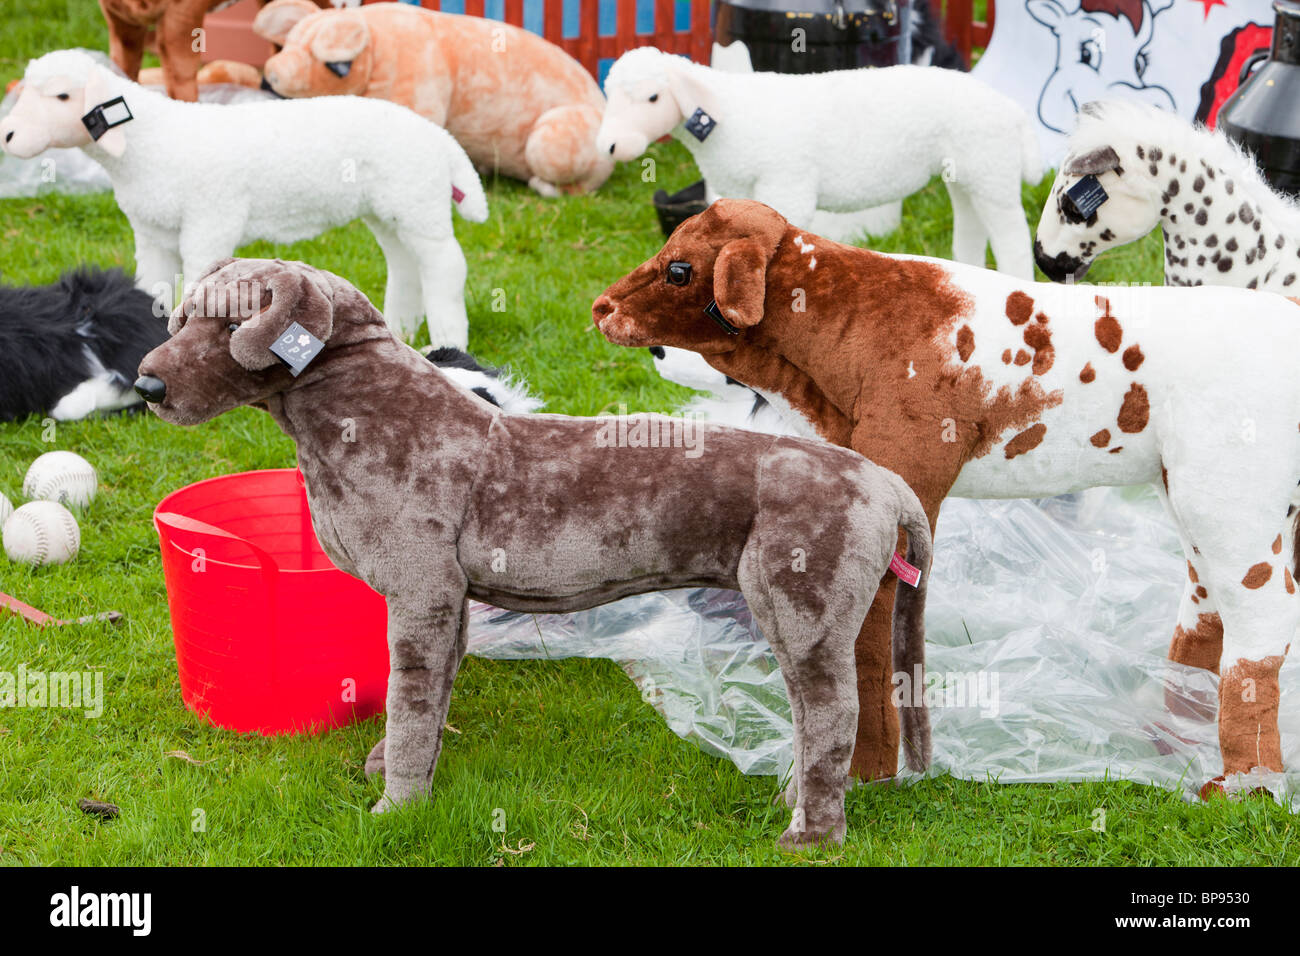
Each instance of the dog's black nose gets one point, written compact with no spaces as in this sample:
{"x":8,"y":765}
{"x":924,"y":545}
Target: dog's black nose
{"x":152,"y":390}
{"x":266,"y":85}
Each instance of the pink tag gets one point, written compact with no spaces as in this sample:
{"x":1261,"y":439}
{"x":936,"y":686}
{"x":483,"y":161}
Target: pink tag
{"x":456,"y":194}
{"x":906,"y":573}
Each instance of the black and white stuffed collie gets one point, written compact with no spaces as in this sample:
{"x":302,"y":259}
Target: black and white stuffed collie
{"x":72,"y":348}
{"x":490,"y":384}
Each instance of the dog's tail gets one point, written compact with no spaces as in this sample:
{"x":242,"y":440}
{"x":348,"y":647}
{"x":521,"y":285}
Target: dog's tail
{"x":467,"y":193}
{"x":909,"y":629}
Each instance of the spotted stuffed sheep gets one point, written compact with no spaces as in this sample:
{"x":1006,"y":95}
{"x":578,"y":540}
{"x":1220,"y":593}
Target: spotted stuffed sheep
{"x":196,"y":180}
{"x":1222,"y":223}
{"x":840,"y":141}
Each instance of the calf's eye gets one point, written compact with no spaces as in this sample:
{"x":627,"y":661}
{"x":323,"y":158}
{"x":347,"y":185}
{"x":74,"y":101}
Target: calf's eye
{"x":63,"y":96}
{"x":654,"y":98}
{"x":679,"y":273}
{"x":232,"y":327}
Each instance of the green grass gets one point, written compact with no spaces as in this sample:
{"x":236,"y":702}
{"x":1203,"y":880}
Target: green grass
{"x":581,"y":770}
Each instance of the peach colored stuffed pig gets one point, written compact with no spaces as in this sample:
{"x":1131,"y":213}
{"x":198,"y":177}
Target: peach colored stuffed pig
{"x":518,"y":104}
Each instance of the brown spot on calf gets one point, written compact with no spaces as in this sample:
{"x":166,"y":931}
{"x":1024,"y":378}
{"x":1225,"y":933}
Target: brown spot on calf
{"x":1101,"y":439}
{"x":1027,"y":440}
{"x":1107,"y":328}
{"x":965,"y":343}
{"x":1135,"y":411}
{"x":1133,"y":358}
{"x":1019,"y":307}
{"x":1257,"y":576}
{"x":1088,"y":374}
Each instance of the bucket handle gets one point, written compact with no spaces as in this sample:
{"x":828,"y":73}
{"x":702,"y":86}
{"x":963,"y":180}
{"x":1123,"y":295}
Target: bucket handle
{"x":270,"y":570}
{"x":184,"y":524}
{"x":1249,"y":65}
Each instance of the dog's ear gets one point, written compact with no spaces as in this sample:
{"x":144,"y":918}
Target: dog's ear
{"x":341,"y":38}
{"x":96,"y":91}
{"x":1094,"y":162}
{"x":287,"y":296}
{"x":275,"y":20}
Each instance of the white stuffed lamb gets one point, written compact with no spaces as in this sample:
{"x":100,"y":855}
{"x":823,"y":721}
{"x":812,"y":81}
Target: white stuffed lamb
{"x":838,"y":141}
{"x":197,"y":180}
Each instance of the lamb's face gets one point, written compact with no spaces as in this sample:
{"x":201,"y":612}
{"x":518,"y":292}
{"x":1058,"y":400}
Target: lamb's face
{"x":46,"y":115}
{"x":637,"y":112}
{"x":1067,"y":242}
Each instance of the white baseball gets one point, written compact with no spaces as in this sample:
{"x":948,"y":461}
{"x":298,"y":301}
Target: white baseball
{"x":61,"y":476}
{"x":42,"y":532}
{"x":6,"y":509}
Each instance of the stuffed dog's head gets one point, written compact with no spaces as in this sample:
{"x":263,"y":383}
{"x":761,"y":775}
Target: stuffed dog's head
{"x":326,"y":52}
{"x":704,"y":289}
{"x":58,"y":89}
{"x":219,"y":355}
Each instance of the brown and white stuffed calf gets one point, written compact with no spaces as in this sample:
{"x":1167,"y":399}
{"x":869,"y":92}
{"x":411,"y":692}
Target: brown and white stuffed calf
{"x":976,"y":384}
{"x":432,"y":496}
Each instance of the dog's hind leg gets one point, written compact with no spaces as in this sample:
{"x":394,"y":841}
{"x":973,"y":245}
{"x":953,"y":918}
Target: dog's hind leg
{"x":425,"y":648}
{"x":403,"y":303}
{"x":442,"y":281}
{"x":815,"y":652}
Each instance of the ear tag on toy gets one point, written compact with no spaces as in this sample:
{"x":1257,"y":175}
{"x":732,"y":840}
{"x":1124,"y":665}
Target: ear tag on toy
{"x":105,"y":116}
{"x":457,"y":194}
{"x":700,"y":125}
{"x":296,"y":348}
{"x":340,"y":68}
{"x":713,"y":312}
{"x":907,"y":573}
{"x":1085,"y":197}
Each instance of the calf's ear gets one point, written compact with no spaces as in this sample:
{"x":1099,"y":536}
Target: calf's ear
{"x":287,"y":296}
{"x":740,"y":281}
{"x":1094,"y":162}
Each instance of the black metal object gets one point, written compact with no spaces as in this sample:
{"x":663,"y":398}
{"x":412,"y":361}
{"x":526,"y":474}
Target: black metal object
{"x":836,"y":34}
{"x":1263,"y":115}
{"x":674,"y":209}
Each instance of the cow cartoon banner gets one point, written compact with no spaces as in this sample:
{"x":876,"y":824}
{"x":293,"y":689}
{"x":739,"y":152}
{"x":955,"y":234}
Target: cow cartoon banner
{"x":1052,"y":56}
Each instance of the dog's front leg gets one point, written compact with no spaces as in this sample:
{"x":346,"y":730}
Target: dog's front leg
{"x":425,"y":647}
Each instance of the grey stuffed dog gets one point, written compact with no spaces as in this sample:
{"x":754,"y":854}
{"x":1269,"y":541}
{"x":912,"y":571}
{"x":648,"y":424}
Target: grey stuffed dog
{"x":432,"y":496}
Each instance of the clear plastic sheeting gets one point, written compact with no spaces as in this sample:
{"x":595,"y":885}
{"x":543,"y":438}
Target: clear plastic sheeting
{"x":71,"y":170}
{"x":1048,"y":624}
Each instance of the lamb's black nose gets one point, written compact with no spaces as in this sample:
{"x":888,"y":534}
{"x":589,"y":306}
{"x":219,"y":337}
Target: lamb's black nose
{"x":152,"y":390}
{"x":9,"y":135}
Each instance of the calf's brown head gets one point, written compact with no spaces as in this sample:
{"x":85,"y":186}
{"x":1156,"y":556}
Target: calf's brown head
{"x":220,"y":354}
{"x":704,"y":288}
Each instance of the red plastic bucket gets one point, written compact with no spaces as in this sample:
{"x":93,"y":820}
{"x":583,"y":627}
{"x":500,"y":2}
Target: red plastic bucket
{"x":270,"y":635}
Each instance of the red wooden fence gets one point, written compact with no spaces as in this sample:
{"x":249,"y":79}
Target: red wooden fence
{"x":589,"y":48}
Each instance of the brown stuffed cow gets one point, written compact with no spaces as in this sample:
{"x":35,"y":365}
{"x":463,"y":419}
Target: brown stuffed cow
{"x":431,"y":496}
{"x":975,"y":384}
